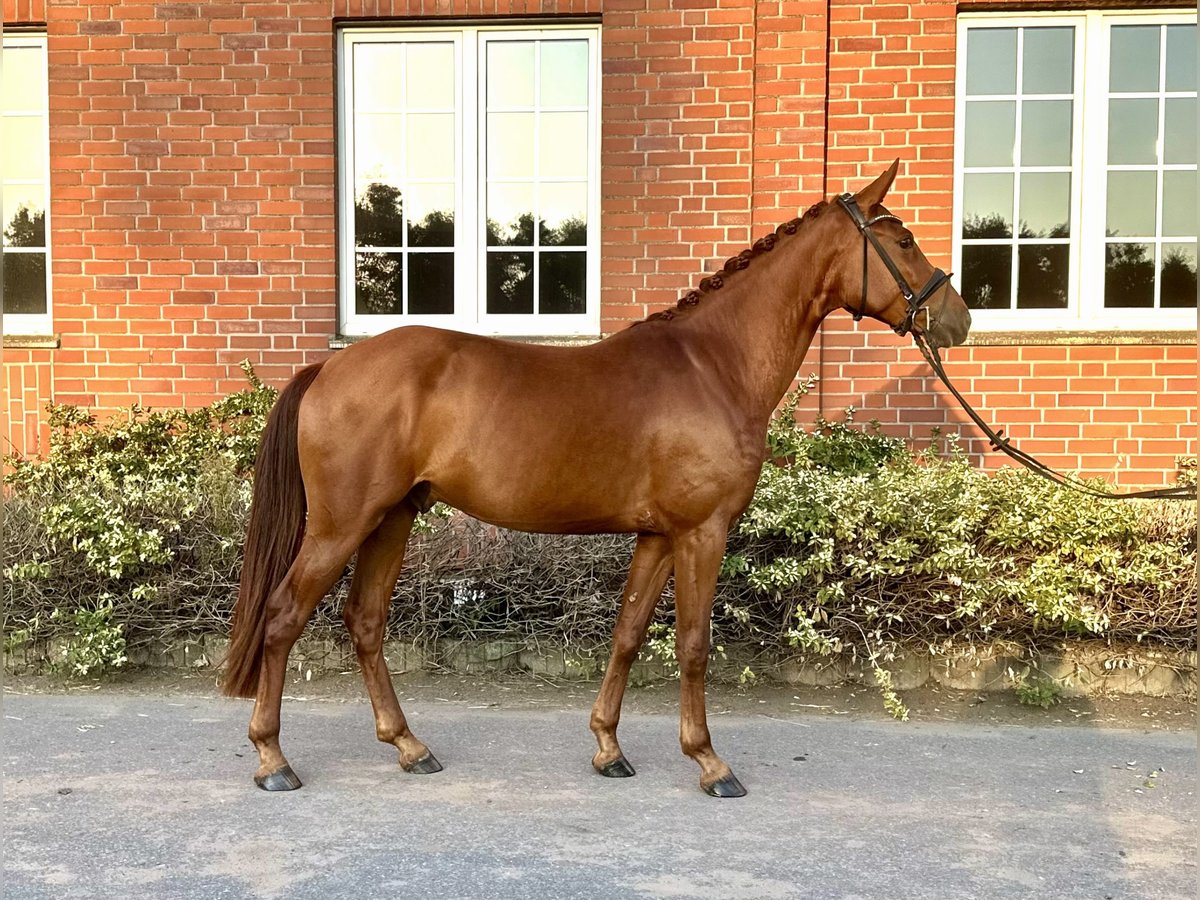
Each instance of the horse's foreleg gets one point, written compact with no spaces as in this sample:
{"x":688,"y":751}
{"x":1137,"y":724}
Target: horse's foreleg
{"x":647,"y":575}
{"x":697,"y":563}
{"x":323,"y":556}
{"x":380,"y":559}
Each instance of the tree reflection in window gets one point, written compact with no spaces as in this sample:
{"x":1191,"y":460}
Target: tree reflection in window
{"x":379,"y":222}
{"x":1042,"y":269}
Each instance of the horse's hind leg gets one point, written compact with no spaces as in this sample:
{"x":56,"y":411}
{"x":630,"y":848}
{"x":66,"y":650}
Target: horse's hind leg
{"x":323,"y":556}
{"x":647,"y":575}
{"x":380,"y":559}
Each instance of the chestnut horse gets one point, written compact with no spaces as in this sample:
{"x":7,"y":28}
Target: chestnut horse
{"x":657,"y":430}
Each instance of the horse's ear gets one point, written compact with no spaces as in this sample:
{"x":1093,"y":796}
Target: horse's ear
{"x":874,"y":192}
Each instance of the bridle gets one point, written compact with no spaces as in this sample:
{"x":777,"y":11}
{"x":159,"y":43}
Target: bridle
{"x":916,"y":301}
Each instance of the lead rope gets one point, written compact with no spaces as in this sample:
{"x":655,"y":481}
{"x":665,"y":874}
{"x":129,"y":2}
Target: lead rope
{"x":1003,"y":444}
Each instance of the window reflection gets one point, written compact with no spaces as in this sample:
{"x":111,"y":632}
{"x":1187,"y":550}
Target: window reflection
{"x":1178,"y":276}
{"x":992,"y":61}
{"x":1132,"y":131}
{"x":26,"y":225}
{"x":1049,"y":61}
{"x":991,"y":133}
{"x":1131,"y":198}
{"x":1042,"y":276}
{"x":1181,"y":58}
{"x":987,"y":205}
{"x":509,"y":283}
{"x":1045,"y":204}
{"x":1133,"y":64}
{"x":1129,"y":276}
{"x":25,"y":283}
{"x":430,"y":284}
{"x":987,"y":276}
{"x":564,"y":73}
{"x":23,"y":80}
{"x":1179,"y":131}
{"x":562,"y":287}
{"x":1046,"y":133}
{"x":379,"y":283}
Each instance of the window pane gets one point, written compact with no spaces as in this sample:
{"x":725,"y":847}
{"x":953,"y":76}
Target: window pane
{"x":25,"y":283}
{"x":430,"y":284}
{"x":564,"y":74}
{"x":1042,"y":275}
{"x":1181,"y":57}
{"x":563,"y":283}
{"x":987,"y":276}
{"x":1132,"y":131}
{"x":379,"y":216}
{"x":1046,"y":204}
{"x":24,"y":148}
{"x":1129,"y":276}
{"x":24,"y":79}
{"x":509,"y":283}
{"x":377,"y":143}
{"x":429,"y":75}
{"x":510,"y":145}
{"x":563,"y":215}
{"x":1049,"y":63}
{"x":509,"y":74}
{"x":431,"y":145}
{"x":1179,"y":131}
{"x":562,"y":145}
{"x":431,"y":215}
{"x":1179,"y":204}
{"x":1133,"y":58}
{"x":991,"y":132}
{"x":377,"y":69}
{"x":992,"y":61}
{"x":510,"y":215}
{"x":1131,"y":204}
{"x":24,"y":216}
{"x":378,"y":283}
{"x":1046,"y":133}
{"x":987,"y":205}
{"x":1179,"y":276}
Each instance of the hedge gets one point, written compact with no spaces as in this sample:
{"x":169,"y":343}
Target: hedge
{"x":131,"y":529}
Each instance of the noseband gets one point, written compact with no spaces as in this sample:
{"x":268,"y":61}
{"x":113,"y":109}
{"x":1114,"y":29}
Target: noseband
{"x":916,"y":301}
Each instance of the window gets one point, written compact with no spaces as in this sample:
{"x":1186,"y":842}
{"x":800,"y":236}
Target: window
{"x":469,"y":177}
{"x":26,"y":176}
{"x":1075,"y":164}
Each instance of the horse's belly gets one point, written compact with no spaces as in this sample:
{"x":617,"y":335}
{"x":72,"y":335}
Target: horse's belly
{"x":553,"y":501}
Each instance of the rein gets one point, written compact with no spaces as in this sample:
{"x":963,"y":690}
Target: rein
{"x":1003,"y":444}
{"x":916,"y":302}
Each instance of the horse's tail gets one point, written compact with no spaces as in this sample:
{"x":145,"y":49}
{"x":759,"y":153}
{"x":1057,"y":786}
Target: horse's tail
{"x":273,"y":538}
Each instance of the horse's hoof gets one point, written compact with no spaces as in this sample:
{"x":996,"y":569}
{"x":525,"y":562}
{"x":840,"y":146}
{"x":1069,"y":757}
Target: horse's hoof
{"x":283,"y":779}
{"x":728,"y":786}
{"x":617,"y":768}
{"x":426,"y":765}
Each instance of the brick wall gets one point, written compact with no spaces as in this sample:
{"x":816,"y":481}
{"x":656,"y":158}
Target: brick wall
{"x":192,"y":184}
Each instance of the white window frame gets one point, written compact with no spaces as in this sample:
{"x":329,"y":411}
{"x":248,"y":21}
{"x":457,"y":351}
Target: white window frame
{"x":1085,"y":288}
{"x":31,"y":323}
{"x":470,"y":272}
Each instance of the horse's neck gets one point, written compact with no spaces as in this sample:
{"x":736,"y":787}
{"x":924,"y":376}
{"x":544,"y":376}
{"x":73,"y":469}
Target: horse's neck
{"x":758,"y":328}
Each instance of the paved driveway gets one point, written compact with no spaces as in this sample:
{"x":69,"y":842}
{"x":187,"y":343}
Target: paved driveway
{"x":144,"y":795}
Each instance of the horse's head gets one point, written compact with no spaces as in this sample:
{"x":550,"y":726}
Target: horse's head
{"x":894,"y":282}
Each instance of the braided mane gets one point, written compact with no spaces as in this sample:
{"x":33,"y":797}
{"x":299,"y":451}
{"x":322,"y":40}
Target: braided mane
{"x":734,"y":264}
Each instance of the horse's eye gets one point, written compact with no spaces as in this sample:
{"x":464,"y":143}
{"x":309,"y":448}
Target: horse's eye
{"x":906,"y":243}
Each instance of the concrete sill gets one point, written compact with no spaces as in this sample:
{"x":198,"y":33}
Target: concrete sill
{"x":32,"y":341}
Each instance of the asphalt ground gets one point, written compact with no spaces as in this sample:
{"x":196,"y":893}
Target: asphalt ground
{"x":143,"y":791}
